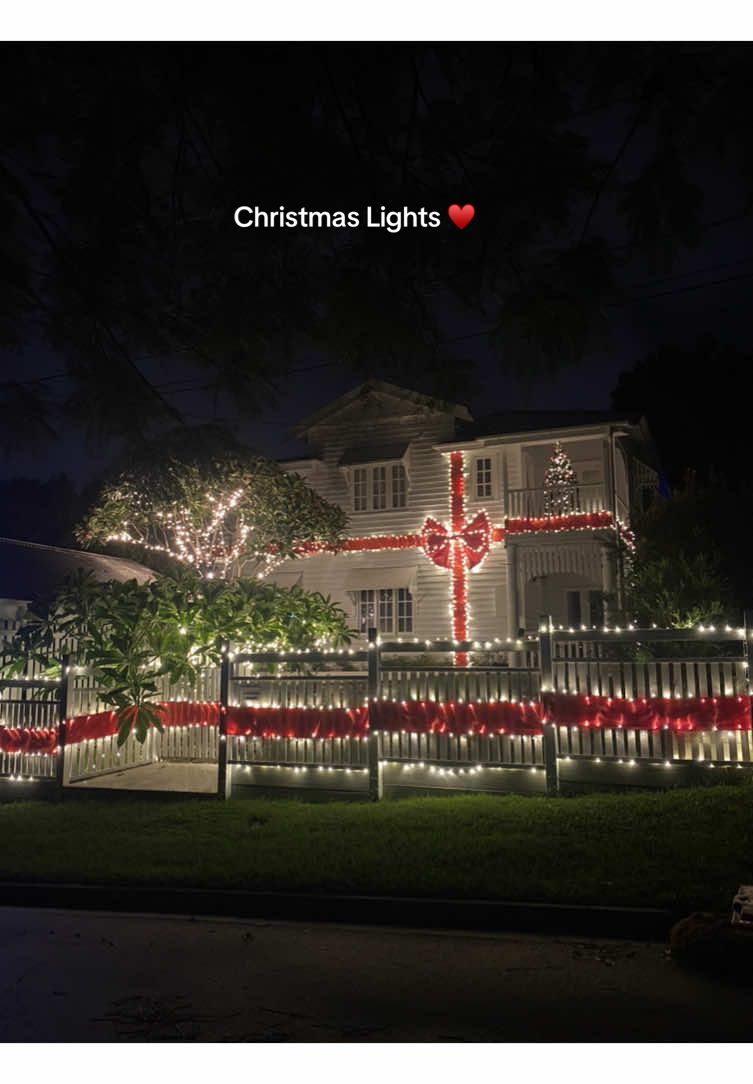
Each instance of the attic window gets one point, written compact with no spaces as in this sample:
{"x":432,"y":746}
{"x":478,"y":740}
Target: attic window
{"x":398,"y":485}
{"x":379,"y":488}
{"x":360,"y":489}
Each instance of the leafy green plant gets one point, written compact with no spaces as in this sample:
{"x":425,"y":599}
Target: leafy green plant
{"x":131,"y":635}
{"x":677,"y":577}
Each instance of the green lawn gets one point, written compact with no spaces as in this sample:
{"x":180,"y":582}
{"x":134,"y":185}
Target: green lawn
{"x":687,"y":848}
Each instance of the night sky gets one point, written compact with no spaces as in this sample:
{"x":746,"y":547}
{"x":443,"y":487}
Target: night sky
{"x":705,"y":290}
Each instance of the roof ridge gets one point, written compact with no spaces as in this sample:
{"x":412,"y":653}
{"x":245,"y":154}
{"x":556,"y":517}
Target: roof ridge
{"x":28,"y":544}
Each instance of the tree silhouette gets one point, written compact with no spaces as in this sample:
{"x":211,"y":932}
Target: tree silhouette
{"x":121,"y":167}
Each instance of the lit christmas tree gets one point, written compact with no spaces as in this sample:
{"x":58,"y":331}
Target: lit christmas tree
{"x":560,"y":485}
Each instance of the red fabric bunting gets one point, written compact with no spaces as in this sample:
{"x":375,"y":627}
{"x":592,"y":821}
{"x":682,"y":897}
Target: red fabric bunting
{"x":429,"y":717}
{"x":27,"y":740}
{"x":298,"y":722}
{"x":102,"y":724}
{"x":650,"y":713}
{"x":416,"y":717}
{"x":576,"y":521}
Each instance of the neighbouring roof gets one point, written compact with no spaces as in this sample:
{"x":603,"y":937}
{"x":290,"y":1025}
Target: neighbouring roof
{"x":369,"y":388}
{"x":373,"y":453}
{"x":29,"y":569}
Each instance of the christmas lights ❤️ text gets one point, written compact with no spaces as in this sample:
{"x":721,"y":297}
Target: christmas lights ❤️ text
{"x":392,"y":220}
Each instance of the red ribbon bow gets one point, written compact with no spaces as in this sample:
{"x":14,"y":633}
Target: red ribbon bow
{"x":474,"y":537}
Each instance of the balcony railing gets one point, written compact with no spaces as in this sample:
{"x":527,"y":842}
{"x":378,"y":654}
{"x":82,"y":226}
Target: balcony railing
{"x":531,"y":503}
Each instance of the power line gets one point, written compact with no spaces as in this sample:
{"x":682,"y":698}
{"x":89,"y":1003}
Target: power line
{"x":620,"y":304}
{"x":201,"y":384}
{"x":683,"y":289}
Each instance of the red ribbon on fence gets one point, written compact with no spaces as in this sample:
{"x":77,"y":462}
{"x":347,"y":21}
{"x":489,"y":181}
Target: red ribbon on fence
{"x":102,"y":724}
{"x":15,"y":739}
{"x":416,"y":717}
{"x":430,"y":717}
{"x":650,"y":713}
{"x":298,"y":722}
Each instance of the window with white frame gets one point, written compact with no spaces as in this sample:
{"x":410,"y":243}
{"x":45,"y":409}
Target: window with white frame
{"x":404,"y":610}
{"x":387,"y":609}
{"x":379,"y":488}
{"x":483,"y":477}
{"x":398,"y":485}
{"x":360,"y":489}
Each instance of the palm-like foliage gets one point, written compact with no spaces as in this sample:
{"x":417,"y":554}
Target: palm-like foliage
{"x":133,"y":636}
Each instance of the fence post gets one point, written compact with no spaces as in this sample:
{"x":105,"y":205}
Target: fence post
{"x":549,"y":728}
{"x":223,"y":783}
{"x":63,"y":700}
{"x":373,"y":743}
{"x":748,"y":630}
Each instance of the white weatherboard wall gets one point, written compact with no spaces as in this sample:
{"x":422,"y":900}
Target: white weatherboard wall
{"x":515,"y":579}
{"x":428,"y":494}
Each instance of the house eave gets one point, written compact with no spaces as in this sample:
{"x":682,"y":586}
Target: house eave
{"x":414,"y":398}
{"x":535,"y":436}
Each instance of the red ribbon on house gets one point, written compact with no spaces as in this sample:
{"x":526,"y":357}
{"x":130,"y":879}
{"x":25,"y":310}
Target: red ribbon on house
{"x":462,"y":545}
{"x":474,"y":538}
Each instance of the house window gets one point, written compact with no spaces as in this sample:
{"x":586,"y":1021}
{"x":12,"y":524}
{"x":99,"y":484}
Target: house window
{"x":573,"y":609}
{"x":398,"y":485}
{"x":596,"y":607}
{"x":360,"y":490}
{"x":404,"y":610}
{"x":588,"y":604}
{"x":483,"y":480}
{"x":379,"y":488}
{"x":388,"y":609}
{"x":366,"y":611}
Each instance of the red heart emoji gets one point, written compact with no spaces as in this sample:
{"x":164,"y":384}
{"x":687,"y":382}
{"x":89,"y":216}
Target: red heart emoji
{"x":461,"y":216}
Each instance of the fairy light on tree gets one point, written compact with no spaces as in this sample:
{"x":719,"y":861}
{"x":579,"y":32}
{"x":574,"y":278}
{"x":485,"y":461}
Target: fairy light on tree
{"x":560,"y":484}
{"x":207,"y":503}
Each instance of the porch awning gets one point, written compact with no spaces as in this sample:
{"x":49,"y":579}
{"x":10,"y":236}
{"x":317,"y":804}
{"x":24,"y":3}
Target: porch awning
{"x":375,"y":576}
{"x":287,"y":577}
{"x":373,"y":453}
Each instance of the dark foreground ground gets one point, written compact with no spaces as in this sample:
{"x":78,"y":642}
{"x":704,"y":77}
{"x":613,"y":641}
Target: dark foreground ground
{"x":87,"y":976}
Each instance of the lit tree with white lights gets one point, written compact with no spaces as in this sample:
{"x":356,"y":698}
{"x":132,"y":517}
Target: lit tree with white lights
{"x":199,"y":499}
{"x":560,"y":484}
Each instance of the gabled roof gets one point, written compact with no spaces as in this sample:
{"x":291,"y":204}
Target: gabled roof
{"x":412,"y":399}
{"x":29,"y":569}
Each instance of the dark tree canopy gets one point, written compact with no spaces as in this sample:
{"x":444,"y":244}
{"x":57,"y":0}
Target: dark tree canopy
{"x":690,"y":565}
{"x":121,"y":167}
{"x":696,"y":400}
{"x":38,"y":511}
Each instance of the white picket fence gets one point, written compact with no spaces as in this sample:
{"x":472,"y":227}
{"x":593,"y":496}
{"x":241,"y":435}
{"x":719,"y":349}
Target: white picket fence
{"x":621,"y":664}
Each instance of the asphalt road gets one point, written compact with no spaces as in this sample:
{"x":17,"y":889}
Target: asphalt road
{"x":91,"y":976}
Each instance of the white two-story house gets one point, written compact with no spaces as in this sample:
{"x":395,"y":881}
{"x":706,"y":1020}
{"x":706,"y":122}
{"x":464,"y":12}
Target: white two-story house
{"x":450,"y":531}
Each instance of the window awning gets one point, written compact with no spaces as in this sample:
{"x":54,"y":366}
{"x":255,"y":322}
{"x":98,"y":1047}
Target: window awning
{"x":373,"y":453}
{"x":375,"y":576}
{"x":287,"y":577}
